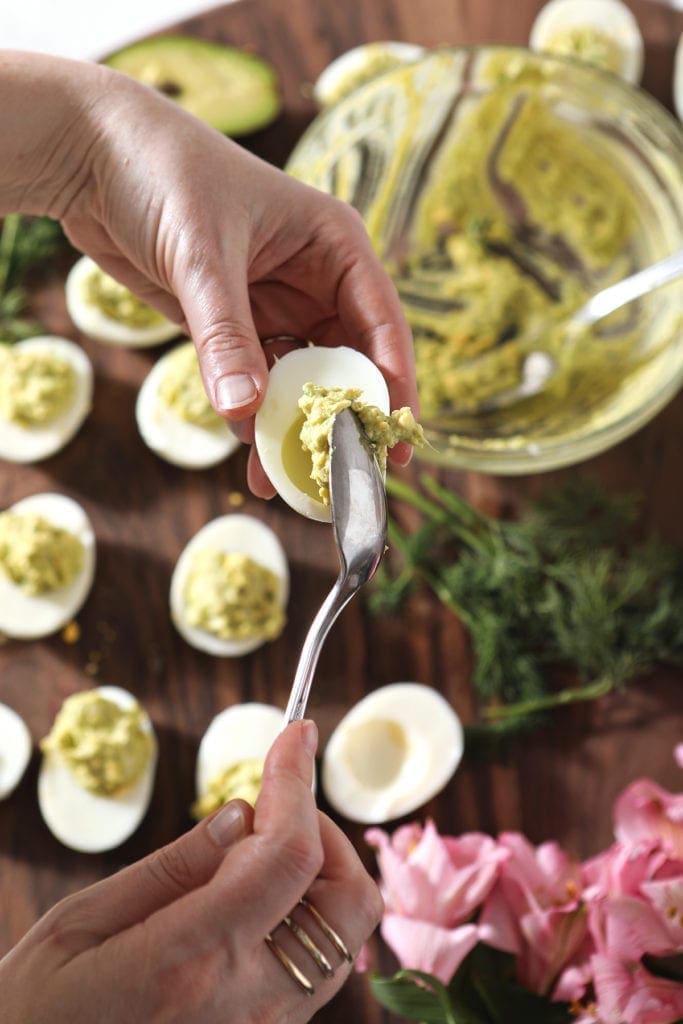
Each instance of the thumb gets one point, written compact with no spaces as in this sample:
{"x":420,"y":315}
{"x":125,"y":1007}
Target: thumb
{"x":231,"y":359}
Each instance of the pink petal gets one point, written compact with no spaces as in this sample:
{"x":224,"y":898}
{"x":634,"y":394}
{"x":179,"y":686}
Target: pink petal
{"x":666,"y":897}
{"x":646,"y":811}
{"x":631,"y":995}
{"x":498,"y":924}
{"x":632,"y":928}
{"x":426,"y":947}
{"x":678,"y":754}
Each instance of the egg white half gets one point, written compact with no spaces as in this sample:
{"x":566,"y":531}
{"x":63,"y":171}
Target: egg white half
{"x":27,"y":617}
{"x":31,"y":444}
{"x":392,"y":752}
{"x":90,"y":319}
{"x":612,"y":17}
{"x":242,"y":534}
{"x":84,"y":821}
{"x":173,"y":438}
{"x":354,"y":61}
{"x":15,"y":750}
{"x":238,"y":733}
{"x":329,"y":367}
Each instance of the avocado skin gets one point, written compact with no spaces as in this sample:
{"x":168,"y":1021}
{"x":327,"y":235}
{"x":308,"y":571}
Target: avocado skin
{"x":235,"y":92}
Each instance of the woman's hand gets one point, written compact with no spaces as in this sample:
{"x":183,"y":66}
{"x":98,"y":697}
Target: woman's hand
{"x":181,"y":935}
{"x":215,"y":238}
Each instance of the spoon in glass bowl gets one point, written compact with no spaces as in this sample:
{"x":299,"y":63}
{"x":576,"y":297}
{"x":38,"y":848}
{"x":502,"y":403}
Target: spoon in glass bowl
{"x":538,"y":366}
{"x":359,"y":519}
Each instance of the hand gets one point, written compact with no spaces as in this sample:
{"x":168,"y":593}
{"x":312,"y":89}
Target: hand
{"x":216,"y":239}
{"x":180,"y":936}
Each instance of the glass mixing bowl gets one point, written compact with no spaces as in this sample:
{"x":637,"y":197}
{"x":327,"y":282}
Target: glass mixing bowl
{"x":501,"y":189}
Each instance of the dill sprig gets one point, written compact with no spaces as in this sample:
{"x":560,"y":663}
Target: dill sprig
{"x":567,"y":591}
{"x":27,"y":245}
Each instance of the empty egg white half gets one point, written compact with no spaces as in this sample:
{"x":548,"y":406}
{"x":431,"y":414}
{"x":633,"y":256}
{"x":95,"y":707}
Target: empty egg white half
{"x":26,"y":617}
{"x":173,"y":438}
{"x":15,"y":750}
{"x":92,"y":321}
{"x":31,"y":444}
{"x":85,"y":821}
{"x":392,"y":752}
{"x":360,"y":64}
{"x":612,"y":18}
{"x":279,"y":419}
{"x":242,"y":534}
{"x":239,"y":733}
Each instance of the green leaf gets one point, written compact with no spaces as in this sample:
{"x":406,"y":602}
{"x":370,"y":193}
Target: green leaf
{"x":403,"y":995}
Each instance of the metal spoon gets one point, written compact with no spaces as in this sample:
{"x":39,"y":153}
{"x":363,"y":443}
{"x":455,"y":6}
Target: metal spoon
{"x":538,"y":366}
{"x":359,"y":518}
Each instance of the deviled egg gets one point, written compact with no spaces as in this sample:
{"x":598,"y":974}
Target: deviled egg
{"x":174,"y":415}
{"x":678,"y":79}
{"x":97,"y":775}
{"x":306,"y":389}
{"x":359,"y":65}
{"x":47,"y":564}
{"x":230,"y":586}
{"x":108,"y":311}
{"x":46,"y":388}
{"x":392,"y":752}
{"x":232,"y":753}
{"x":15,"y":750}
{"x":604,"y":33}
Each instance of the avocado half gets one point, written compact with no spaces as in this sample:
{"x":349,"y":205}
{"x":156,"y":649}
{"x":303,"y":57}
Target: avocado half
{"x":231,"y":90}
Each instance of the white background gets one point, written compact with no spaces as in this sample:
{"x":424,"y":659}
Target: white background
{"x":88,"y":29}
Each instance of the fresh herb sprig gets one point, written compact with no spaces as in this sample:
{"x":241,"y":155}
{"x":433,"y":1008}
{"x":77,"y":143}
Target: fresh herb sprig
{"x":567,"y":591}
{"x":27,"y":245}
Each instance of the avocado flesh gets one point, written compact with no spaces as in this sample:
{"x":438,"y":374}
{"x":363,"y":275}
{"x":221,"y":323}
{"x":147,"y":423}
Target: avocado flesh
{"x":233,"y":91}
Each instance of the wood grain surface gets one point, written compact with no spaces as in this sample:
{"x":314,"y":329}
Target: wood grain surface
{"x":559,"y":783}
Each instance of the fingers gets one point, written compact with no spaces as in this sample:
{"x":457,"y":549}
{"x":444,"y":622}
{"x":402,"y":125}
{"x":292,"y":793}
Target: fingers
{"x":131,"y":895}
{"x":265,"y":875}
{"x":231,"y":359}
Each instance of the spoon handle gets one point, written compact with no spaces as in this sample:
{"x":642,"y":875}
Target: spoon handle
{"x":337,"y":599}
{"x":630,"y":288}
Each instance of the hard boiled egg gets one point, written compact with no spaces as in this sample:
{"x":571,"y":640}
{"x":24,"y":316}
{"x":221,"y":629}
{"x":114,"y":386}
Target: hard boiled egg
{"x":359,"y":65}
{"x":600,"y":32}
{"x":234,"y":533}
{"x":678,"y":79}
{"x":178,"y":440}
{"x":90,"y":318}
{"x":28,"y":616}
{"x":15,"y":750}
{"x":392,"y":752}
{"x":279,"y":420}
{"x":33,"y":441}
{"x":85,"y":821}
{"x":236,"y":741}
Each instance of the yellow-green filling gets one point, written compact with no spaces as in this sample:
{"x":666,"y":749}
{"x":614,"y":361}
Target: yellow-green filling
{"x":240,"y":781}
{"x":182,"y":389}
{"x":233,"y":597}
{"x":118,"y":302}
{"x":588,"y":44}
{"x":320,"y":405}
{"x":36,"y":555}
{"x":35,"y":385}
{"x":377,"y":59}
{"x":106,"y":747}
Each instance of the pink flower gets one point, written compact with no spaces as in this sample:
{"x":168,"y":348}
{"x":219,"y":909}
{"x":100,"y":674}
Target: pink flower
{"x":645,"y":811}
{"x":631,"y":995}
{"x":535,"y":912}
{"x":431,"y":886}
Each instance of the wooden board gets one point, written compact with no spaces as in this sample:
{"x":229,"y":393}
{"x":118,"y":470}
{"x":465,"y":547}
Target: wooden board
{"x":559,"y":783}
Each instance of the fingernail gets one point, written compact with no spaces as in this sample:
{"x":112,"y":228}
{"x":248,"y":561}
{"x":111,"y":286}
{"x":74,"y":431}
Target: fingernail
{"x":235,"y":390}
{"x":309,"y":737}
{"x":227,"y":826}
